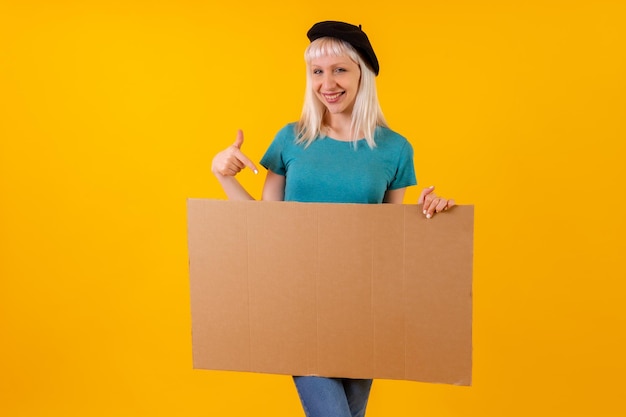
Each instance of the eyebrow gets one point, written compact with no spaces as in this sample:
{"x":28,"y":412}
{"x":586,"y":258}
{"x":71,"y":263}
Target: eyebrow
{"x":337,"y":64}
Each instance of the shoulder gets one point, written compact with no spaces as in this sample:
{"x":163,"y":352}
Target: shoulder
{"x":284,"y":139}
{"x":288,"y":131}
{"x":284,"y":136}
{"x":387,"y":137}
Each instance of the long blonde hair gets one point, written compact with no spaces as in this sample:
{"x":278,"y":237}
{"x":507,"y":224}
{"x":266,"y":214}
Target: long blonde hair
{"x":366,"y":114}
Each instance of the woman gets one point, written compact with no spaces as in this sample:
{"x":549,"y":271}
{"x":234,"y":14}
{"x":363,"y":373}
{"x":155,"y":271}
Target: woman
{"x":340,"y":151}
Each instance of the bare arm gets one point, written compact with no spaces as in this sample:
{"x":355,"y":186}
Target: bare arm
{"x":394,"y":196}
{"x":234,"y":190}
{"x":274,"y":188}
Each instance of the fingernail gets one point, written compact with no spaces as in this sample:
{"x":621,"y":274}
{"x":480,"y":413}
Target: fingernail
{"x":432,"y":186}
{"x":428,"y":216}
{"x":256,"y":171}
{"x":424,"y":212}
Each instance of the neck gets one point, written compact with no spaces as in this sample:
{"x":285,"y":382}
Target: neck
{"x":337,"y":126}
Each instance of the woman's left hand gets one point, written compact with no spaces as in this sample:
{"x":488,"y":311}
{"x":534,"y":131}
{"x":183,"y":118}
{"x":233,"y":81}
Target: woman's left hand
{"x":432,"y":203}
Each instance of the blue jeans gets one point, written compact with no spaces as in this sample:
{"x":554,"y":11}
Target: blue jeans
{"x":333,"y":397}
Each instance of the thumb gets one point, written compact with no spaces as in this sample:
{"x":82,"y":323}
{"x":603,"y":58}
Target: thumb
{"x":239,"y":140}
{"x":424,"y":193}
{"x":240,"y":155}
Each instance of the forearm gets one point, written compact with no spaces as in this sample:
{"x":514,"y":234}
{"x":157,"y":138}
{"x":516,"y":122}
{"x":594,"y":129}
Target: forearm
{"x":233,"y":189}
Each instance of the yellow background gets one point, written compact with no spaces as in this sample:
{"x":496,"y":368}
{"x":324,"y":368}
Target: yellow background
{"x":110,"y":113}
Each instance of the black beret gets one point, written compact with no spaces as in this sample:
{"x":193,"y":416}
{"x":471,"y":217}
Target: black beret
{"x":349,"y":33}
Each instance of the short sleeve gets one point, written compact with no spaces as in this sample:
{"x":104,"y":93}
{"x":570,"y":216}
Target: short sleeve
{"x":405,"y":174}
{"x":273,"y":159}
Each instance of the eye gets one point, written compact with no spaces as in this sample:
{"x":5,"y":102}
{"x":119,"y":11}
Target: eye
{"x":317,"y":71}
{"x":340,"y":70}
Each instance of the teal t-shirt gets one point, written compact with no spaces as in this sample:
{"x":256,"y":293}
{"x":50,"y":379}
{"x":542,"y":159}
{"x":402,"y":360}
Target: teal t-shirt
{"x":333,"y":171}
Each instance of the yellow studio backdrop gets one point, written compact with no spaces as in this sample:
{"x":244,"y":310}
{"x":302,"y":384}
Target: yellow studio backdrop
{"x":110,"y":113}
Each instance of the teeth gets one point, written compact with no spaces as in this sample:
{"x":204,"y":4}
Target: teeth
{"x":333,"y":96}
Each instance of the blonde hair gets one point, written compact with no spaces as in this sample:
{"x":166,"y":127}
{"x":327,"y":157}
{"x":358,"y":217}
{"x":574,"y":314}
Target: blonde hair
{"x":366,"y":114}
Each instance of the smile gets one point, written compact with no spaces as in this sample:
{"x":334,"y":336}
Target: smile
{"x":333,"y":97}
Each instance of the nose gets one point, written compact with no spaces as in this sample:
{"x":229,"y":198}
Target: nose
{"x":328,"y":82}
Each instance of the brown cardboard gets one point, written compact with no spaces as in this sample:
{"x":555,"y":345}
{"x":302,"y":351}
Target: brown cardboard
{"x":340,"y":290}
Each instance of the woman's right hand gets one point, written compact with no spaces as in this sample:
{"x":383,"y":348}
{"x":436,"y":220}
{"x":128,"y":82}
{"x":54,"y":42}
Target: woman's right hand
{"x":231,"y":160}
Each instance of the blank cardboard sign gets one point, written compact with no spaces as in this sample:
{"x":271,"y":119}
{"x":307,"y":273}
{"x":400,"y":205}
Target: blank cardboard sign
{"x":338,"y":290}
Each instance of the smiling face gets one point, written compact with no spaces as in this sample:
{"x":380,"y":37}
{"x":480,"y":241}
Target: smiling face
{"x":335,"y":82}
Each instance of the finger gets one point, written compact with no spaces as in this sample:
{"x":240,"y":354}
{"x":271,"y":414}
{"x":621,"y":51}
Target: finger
{"x":245,"y":160}
{"x":429,"y":203}
{"x":442,"y":204}
{"x":426,"y":206}
{"x":424,"y":193}
{"x":438,"y":205}
{"x":230,"y":168}
{"x":239,"y":140}
{"x":234,"y":160}
{"x":240,"y":155}
{"x":229,"y":172}
{"x":431,"y":206}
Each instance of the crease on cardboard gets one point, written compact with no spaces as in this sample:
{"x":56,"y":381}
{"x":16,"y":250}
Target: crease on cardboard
{"x":404,"y":301}
{"x":317,"y":282}
{"x":372,"y":312}
{"x":247,"y":268}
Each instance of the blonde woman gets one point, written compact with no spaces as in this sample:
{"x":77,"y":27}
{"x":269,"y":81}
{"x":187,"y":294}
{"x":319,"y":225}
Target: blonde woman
{"x":340,"y":151}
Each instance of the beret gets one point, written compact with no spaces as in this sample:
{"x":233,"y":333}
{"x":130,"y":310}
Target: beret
{"x":349,"y":33}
